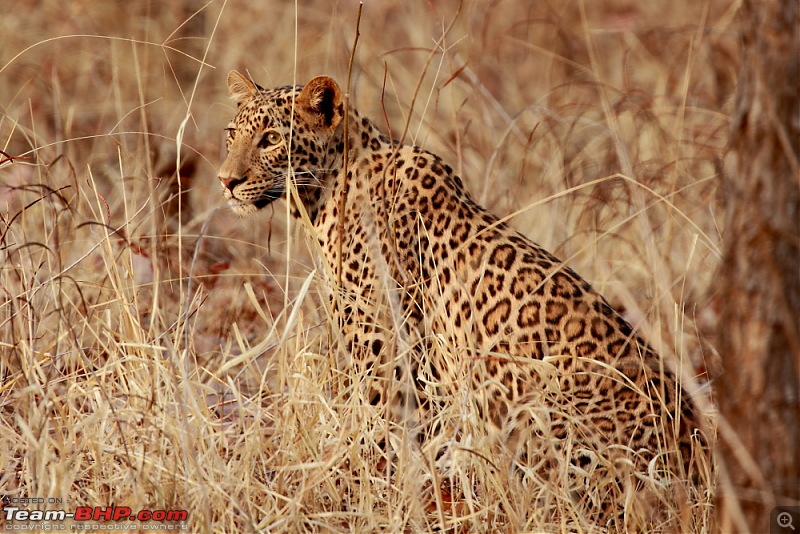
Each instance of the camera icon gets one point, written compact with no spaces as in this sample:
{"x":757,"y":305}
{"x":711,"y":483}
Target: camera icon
{"x":785,"y":519}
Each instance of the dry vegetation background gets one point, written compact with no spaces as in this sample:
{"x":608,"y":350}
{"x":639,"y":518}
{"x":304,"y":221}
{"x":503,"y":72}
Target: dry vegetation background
{"x":156,"y":351}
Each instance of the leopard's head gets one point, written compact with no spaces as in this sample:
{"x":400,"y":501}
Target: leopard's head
{"x":260,"y":159}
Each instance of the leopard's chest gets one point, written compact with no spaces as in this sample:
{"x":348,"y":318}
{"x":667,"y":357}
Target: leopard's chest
{"x":349,"y":231}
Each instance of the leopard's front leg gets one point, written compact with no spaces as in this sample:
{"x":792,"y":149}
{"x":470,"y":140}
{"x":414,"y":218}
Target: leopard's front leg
{"x":383,"y":362}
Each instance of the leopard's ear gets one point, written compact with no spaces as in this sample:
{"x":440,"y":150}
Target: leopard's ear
{"x":240,"y":87}
{"x":320,"y":103}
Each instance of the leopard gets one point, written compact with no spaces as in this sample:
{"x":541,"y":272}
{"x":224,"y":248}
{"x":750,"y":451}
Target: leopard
{"x":414,"y":262}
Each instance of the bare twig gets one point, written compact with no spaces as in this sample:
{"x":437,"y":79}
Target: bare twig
{"x":345,"y":177}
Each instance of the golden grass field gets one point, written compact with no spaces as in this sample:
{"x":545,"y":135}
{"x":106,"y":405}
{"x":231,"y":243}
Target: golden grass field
{"x":159,"y":352}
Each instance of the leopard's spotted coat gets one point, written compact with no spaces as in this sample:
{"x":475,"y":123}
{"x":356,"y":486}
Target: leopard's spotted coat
{"x":422,"y":263}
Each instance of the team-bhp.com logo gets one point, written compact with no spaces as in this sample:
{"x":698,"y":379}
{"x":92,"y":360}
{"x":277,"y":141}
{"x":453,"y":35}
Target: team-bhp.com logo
{"x":97,"y":518}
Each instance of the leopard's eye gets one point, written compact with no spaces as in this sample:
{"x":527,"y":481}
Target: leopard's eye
{"x":270,"y":138}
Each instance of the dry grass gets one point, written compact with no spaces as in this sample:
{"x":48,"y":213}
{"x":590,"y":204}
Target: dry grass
{"x":159,"y":352}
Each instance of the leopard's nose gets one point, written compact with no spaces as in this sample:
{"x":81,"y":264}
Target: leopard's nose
{"x":229,"y":182}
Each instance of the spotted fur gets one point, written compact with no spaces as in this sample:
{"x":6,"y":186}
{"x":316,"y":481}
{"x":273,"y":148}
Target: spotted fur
{"x":418,"y":262}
